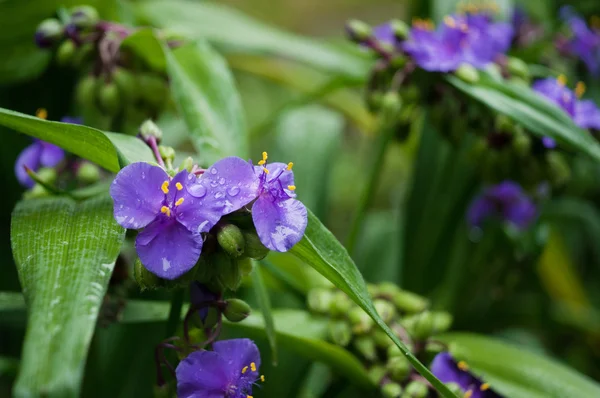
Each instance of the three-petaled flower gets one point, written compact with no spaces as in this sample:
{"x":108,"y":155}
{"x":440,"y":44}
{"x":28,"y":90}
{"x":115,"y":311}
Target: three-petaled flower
{"x":584,"y":42}
{"x":445,"y":368}
{"x":228,"y":371}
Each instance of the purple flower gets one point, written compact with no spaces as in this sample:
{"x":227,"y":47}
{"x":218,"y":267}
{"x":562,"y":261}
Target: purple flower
{"x":485,"y":39}
{"x":35,"y":156}
{"x":587,"y":115}
{"x":384,"y":33}
{"x":436,"y":50}
{"x":506,"y":201}
{"x":279,"y":218}
{"x":72,"y":120}
{"x":199,"y":295}
{"x":585,"y":42}
{"x":229,"y":371}
{"x":447,"y":370}
{"x":175,"y":211}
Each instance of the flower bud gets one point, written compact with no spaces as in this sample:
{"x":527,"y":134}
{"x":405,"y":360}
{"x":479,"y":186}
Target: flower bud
{"x":48,"y":32}
{"x":381,"y":339}
{"x":109,"y":98}
{"x":409,"y":302}
{"x":361,"y":322}
{"x":150,"y":129}
{"x":385,"y":309}
{"x":340,"y":332}
{"x":145,"y":279}
{"x":467,"y":73}
{"x":47,"y":174}
{"x":376,"y":374}
{"x":65,"y":53}
{"x":231,"y":239}
{"x":398,"y":368}
{"x":518,"y":67}
{"x":366,"y":347}
{"x":400,"y":28}
{"x":391,"y":105}
{"x":441,"y":321}
{"x":167,"y":153}
{"x":83,"y":54}
{"x":253,"y":247}
{"x":84,"y":16}
{"x":88,"y":173}
{"x":391,"y":390}
{"x":319,"y":300}
{"x":126,"y":82}
{"x":236,"y":310}
{"x":187,"y":164}
{"x":85,"y":92}
{"x":358,"y":31}
{"x":394,"y":350}
{"x":227,"y":271}
{"x":415,"y":389}
{"x":340,"y":305}
{"x":419,"y":326}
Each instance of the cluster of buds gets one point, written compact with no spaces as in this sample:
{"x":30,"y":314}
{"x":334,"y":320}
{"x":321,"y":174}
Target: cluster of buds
{"x":407,"y":314}
{"x":117,"y":89}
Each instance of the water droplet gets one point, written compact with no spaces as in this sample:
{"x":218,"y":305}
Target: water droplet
{"x":218,"y":195}
{"x":213,"y":171}
{"x":190,"y":176}
{"x":214,"y":184}
{"x":233,"y":191}
{"x":143,"y":176}
{"x":221,"y":181}
{"x":196,"y":190}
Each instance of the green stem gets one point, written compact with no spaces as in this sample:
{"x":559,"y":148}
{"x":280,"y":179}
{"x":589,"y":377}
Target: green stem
{"x":175,"y":312}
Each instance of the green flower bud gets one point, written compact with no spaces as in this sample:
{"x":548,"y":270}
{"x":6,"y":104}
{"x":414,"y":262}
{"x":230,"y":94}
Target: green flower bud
{"x":376,"y":374}
{"x":456,"y":389}
{"x":145,"y":279}
{"x":47,"y":175}
{"x":467,"y":73}
{"x":409,"y":302}
{"x":187,"y":164}
{"x":381,"y":339}
{"x":88,"y":173}
{"x":153,"y":89}
{"x":253,"y":247}
{"x":340,"y":305}
{"x":521,"y":143}
{"x":419,"y":326}
{"x":398,"y":368}
{"x":559,"y":171}
{"x":84,"y":16}
{"x":37,"y":191}
{"x":126,"y":82}
{"x":167,"y":153}
{"x":400,"y":28}
{"x":65,"y":53}
{"x":319,"y":300}
{"x":231,"y":239}
{"x":150,"y":129}
{"x":236,"y":310}
{"x":48,"y":33}
{"x":518,"y":67}
{"x":441,"y":321}
{"x":358,"y":31}
{"x":86,"y":91}
{"x":361,"y":322}
{"x":386,"y":290}
{"x":245,"y":266}
{"x":366,"y":347}
{"x":226,"y":270}
{"x":391,"y":390}
{"x":83,"y":54}
{"x":394,"y":350}
{"x":109,"y":98}
{"x":415,"y":389}
{"x":385,"y":309}
{"x":391,"y":103}
{"x":340,"y":332}
{"x":504,"y":124}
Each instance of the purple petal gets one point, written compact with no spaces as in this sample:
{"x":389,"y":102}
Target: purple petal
{"x":444,"y":368}
{"x":548,"y":143}
{"x":200,"y":294}
{"x":385,"y":34}
{"x":239,"y":353}
{"x":505,"y":192}
{"x":587,"y":115}
{"x":167,"y":249}
{"x":136,"y":191}
{"x":29,"y":157}
{"x":479,"y":210}
{"x":521,"y":214}
{"x":203,"y":374}
{"x":72,"y":120}
{"x":277,"y":180}
{"x":280,"y":224}
{"x":51,"y":155}
{"x":555,"y":92}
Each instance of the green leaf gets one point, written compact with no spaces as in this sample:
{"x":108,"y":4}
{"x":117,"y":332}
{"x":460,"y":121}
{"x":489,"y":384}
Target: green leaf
{"x":229,"y":28}
{"x":205,"y":93}
{"x":517,"y":373}
{"x":321,"y":250}
{"x":65,"y":253}
{"x":145,"y":44}
{"x":108,"y":150}
{"x":264,"y":304}
{"x":532,"y":115}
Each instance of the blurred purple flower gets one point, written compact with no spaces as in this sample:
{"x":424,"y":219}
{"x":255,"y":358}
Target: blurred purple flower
{"x":229,"y":371}
{"x":525,"y":31}
{"x":384,"y":33}
{"x":505,"y":201}
{"x":584,"y":42}
{"x":436,"y":50}
{"x":174,"y":211}
{"x":200,"y":294}
{"x":35,"y":156}
{"x":447,"y":370}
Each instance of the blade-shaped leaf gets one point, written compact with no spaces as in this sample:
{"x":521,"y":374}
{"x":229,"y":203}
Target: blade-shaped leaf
{"x":205,"y":93}
{"x":264,"y":304}
{"x":320,"y":249}
{"x":517,"y":373}
{"x":229,"y":28}
{"x":65,"y":253}
{"x":108,"y":150}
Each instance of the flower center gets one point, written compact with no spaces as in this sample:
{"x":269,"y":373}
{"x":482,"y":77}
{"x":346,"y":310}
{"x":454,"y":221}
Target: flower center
{"x":170,"y":207}
{"x":273,"y":185}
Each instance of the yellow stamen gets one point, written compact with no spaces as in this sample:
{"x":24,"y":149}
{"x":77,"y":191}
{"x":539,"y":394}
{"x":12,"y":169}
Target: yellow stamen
{"x":265,"y":155}
{"x":253,"y":366}
{"x":244,"y":369}
{"x":165,"y":187}
{"x":42,"y":113}
{"x":580,"y":89}
{"x":249,"y":396}
{"x":266,"y":170}
{"x":179,"y":201}
{"x":462,"y":365}
{"x":448,"y":20}
{"x":262,"y":378}
{"x":166,"y":211}
{"x":179,"y":186}
{"x":468,"y":394}
{"x":484,"y":387}
{"x":292,"y":187}
{"x":290,"y":165}
{"x":261,"y":162}
{"x":562,"y":80}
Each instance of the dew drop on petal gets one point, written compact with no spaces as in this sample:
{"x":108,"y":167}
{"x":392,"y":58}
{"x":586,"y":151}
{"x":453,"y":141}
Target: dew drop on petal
{"x":218,"y":195}
{"x":190,"y":176}
{"x":233,"y":191}
{"x":213,"y":171}
{"x":196,"y":190}
{"x":214,"y":184}
{"x":221,"y":181}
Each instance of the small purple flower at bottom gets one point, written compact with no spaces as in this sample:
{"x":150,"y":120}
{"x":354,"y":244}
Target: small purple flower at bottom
{"x":199,"y":296}
{"x":175,"y":211}
{"x":445,"y":368}
{"x":505,"y":201}
{"x":229,"y":371}
{"x":279,"y":218}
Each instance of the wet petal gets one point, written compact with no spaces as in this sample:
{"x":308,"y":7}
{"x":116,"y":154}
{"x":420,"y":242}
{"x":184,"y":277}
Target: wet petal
{"x":587,"y":115}
{"x":277,"y":180}
{"x":445,"y":368}
{"x":30,"y":157}
{"x":51,"y":155}
{"x":239,"y":353}
{"x":137,"y":194}
{"x":203,"y":374}
{"x":167,"y":249}
{"x":280,"y":224}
